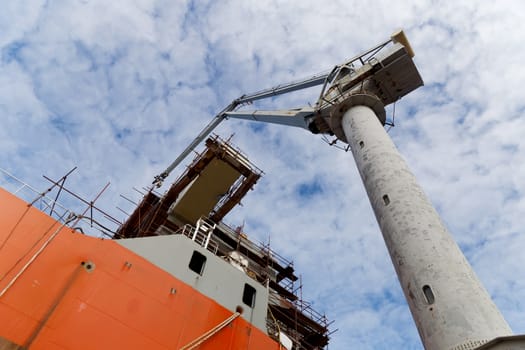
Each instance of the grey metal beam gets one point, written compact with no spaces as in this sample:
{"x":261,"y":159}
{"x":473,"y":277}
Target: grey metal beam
{"x":284,"y":88}
{"x":291,"y":117}
{"x":157,"y":181}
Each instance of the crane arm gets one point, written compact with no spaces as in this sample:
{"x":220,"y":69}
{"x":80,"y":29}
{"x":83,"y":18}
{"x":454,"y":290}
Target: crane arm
{"x":284,"y":88}
{"x":227,"y":112}
{"x":290,"y":117}
{"x":301,"y":117}
{"x":157,"y":181}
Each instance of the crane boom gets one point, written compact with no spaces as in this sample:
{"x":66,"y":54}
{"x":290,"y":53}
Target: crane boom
{"x":275,"y":91}
{"x":284,"y":88}
{"x":318,"y":79}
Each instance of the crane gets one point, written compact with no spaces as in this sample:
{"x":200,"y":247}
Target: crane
{"x":449,"y":305}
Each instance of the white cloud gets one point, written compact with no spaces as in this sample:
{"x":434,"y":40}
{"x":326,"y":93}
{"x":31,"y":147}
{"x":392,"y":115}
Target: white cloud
{"x":120,"y":88}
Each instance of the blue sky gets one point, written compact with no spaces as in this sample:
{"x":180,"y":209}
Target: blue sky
{"x":119,"y":88}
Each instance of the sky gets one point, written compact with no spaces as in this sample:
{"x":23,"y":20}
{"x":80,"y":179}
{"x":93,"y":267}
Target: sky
{"x":118,"y":89}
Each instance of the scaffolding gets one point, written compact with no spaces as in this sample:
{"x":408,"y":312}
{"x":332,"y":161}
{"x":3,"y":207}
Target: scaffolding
{"x":192,"y":208}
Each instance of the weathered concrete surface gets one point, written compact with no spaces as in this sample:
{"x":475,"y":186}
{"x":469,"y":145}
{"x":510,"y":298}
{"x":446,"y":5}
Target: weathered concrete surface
{"x":451,"y":308}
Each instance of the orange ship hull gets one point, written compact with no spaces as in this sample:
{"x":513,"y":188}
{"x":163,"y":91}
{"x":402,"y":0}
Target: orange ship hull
{"x":63,"y":290}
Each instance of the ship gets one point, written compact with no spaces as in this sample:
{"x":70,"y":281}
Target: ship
{"x":174,"y":275}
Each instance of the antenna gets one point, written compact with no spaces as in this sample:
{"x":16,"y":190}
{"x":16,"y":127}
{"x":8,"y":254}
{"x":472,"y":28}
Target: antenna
{"x":451,"y":308}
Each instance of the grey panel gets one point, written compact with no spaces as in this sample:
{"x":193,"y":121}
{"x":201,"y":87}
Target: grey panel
{"x":219,"y":281}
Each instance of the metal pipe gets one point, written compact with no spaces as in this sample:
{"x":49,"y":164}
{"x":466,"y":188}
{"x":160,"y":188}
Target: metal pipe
{"x":284,"y":88}
{"x":275,"y":91}
{"x":202,"y":135}
{"x":451,"y":308}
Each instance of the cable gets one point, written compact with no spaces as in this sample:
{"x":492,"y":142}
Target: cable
{"x":198,"y":341}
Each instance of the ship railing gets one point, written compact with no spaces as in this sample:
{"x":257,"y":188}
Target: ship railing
{"x":307,"y":310}
{"x":31,"y":195}
{"x":227,"y":147}
{"x":226,"y":197}
{"x":254,"y":245}
{"x":94,"y":223}
{"x":275,"y":328}
{"x":295,"y":329}
{"x":238,"y":155}
{"x":200,"y":235}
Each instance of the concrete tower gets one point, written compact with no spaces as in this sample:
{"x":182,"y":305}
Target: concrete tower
{"x":449,"y":305}
{"x":451,"y":308}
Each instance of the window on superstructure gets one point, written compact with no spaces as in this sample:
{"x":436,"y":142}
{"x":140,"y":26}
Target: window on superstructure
{"x":248,"y":295}
{"x":197,"y":262}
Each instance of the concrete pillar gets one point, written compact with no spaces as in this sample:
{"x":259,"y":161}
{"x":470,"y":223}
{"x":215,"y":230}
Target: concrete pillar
{"x":450,"y":307}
